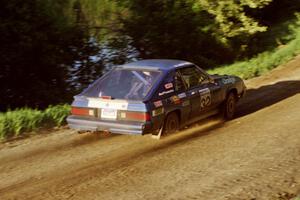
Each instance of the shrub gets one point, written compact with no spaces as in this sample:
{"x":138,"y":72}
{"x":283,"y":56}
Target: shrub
{"x":263,"y":62}
{"x":14,"y":123}
{"x":57,"y":114}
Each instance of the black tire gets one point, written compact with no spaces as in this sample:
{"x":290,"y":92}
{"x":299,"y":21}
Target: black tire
{"x":229,"y":106}
{"x":171,"y":123}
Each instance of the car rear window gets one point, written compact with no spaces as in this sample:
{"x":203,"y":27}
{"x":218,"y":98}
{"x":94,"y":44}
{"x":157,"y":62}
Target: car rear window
{"x":124,"y":84}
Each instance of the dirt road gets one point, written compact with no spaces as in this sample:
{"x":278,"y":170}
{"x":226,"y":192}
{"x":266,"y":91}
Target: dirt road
{"x":255,"y":156}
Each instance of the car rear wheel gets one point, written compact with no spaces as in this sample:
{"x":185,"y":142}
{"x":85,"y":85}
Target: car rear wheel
{"x":171,"y":125}
{"x":229,"y":106}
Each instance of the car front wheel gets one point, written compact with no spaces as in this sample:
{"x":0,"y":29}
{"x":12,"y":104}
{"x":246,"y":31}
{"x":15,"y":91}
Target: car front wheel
{"x":229,"y":106}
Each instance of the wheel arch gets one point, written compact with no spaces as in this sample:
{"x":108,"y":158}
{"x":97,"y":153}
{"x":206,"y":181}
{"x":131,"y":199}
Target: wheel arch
{"x":232,"y":90}
{"x":177,"y":111}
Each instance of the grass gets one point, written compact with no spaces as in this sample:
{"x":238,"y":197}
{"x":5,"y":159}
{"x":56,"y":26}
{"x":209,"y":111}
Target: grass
{"x":14,"y":123}
{"x":265,"y":61}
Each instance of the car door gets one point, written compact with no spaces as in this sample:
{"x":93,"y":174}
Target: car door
{"x":170,"y":95}
{"x":209,"y":91}
{"x":191,"y":78}
{"x":183,"y":97}
{"x":200,"y":90}
{"x":208,"y":94}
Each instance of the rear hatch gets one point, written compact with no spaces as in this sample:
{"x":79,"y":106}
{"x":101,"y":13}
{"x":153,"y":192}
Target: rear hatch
{"x":117,"y":96}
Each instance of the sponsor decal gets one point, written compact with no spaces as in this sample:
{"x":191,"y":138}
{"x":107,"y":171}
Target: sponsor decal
{"x":110,"y":104}
{"x":169,"y":86}
{"x":94,"y":103}
{"x":205,"y":98}
{"x":186,"y":103}
{"x":165,"y":92}
{"x":228,"y":80}
{"x":158,"y":111}
{"x":158,"y":104}
{"x":107,"y":113}
{"x":204,"y":91}
{"x":182,"y":95}
{"x":175,"y":99}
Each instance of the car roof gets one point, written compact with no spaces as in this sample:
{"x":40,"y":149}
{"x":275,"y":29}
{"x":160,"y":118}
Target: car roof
{"x":156,"y":64}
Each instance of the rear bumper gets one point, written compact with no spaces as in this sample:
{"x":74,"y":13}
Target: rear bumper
{"x":86,"y":124}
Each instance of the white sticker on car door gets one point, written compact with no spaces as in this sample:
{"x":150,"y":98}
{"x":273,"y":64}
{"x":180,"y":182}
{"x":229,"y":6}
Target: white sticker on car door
{"x":205,"y":98}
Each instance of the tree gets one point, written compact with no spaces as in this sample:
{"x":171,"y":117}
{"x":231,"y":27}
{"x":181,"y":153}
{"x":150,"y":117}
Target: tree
{"x":39,"y":43}
{"x":172,"y":29}
{"x":230,"y":18}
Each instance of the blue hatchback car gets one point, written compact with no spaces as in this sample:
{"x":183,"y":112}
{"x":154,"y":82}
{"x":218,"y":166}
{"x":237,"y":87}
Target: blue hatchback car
{"x":154,"y":97}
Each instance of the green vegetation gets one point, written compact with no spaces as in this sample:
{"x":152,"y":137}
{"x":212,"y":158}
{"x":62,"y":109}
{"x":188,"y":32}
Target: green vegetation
{"x":265,"y":61}
{"x":14,"y":123}
{"x":230,"y":17}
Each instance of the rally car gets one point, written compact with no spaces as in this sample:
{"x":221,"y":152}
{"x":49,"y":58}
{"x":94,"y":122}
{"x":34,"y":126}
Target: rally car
{"x":154,"y":97}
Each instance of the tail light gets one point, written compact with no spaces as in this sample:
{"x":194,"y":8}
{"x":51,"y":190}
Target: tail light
{"x":135,"y":116}
{"x":82,"y":111}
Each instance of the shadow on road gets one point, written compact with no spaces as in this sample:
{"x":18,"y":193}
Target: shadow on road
{"x":267,"y":95}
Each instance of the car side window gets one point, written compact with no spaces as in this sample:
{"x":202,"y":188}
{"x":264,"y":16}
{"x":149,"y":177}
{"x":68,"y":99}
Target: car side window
{"x":179,"y":84}
{"x":192,"y":76}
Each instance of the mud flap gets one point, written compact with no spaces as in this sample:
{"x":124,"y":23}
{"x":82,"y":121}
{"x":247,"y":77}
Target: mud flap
{"x":158,"y":135}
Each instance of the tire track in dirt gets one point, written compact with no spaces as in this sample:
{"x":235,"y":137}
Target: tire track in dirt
{"x":281,"y":169}
{"x":252,"y":182}
{"x":115,"y":163}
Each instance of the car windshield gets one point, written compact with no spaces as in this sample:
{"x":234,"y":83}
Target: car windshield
{"x":124,"y":84}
